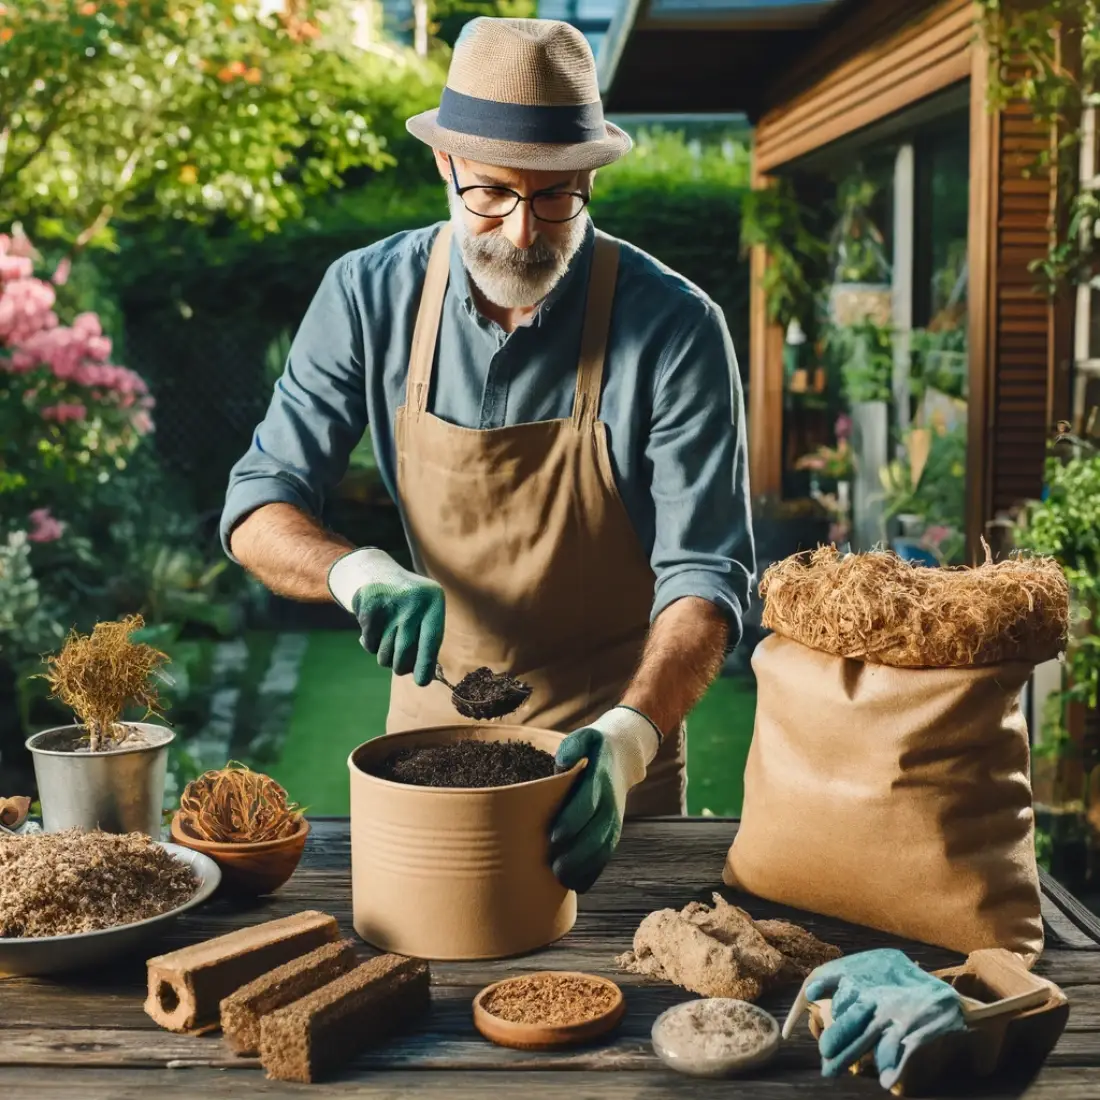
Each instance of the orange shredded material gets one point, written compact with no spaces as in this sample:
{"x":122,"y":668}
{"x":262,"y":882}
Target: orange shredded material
{"x":875,"y":607}
{"x":235,"y":805}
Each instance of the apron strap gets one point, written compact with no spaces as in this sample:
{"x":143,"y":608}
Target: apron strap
{"x":597,"y":323}
{"x":426,"y":333}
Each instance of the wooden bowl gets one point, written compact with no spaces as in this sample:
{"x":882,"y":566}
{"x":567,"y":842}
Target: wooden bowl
{"x":507,"y":1033}
{"x":249,"y":868}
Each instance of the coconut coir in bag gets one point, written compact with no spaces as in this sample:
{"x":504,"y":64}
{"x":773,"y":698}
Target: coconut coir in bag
{"x":888,"y":779}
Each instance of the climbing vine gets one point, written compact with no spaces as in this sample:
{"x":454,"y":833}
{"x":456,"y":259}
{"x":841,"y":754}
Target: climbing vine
{"x":1047,"y":56}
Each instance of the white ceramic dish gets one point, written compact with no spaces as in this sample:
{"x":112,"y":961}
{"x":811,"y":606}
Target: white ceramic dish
{"x":728,"y":1065}
{"x":26,"y":956}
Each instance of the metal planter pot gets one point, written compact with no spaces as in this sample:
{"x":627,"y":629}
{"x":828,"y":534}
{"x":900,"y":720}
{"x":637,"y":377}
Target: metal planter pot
{"x":119,"y":791}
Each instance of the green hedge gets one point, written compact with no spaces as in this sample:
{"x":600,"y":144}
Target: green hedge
{"x":201,"y":306}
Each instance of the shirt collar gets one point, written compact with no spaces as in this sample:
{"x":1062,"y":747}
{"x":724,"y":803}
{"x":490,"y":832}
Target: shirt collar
{"x":460,"y":279}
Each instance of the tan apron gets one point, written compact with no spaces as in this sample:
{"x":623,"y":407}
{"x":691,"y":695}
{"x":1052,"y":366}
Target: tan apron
{"x":523,"y":526}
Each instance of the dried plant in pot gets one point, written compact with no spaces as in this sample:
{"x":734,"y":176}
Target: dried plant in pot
{"x":244,"y":821}
{"x":103,"y":772}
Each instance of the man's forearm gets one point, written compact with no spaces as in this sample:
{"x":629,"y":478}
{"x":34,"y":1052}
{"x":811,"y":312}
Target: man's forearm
{"x":682,"y":656}
{"x":288,"y":551}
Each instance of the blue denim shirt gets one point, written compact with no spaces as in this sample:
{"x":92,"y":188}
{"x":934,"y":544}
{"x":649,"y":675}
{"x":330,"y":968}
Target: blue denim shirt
{"x":672,"y":400}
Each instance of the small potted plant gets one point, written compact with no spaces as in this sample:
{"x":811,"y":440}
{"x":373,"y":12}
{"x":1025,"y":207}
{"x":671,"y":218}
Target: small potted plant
{"x":861,"y":272}
{"x":103,"y":772}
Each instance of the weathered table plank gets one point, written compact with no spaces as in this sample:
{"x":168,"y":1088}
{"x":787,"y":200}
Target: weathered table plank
{"x":1055,"y":1083}
{"x":88,"y":1036}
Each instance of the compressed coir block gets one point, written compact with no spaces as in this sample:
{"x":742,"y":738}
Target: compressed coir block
{"x":241,"y":1011}
{"x":186,"y":987}
{"x":308,"y":1038}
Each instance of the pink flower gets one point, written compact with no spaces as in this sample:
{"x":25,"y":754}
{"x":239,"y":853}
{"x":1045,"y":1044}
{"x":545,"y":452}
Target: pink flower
{"x":18,"y":245}
{"x":63,"y":412}
{"x":46,"y":528}
{"x":143,"y":422}
{"x":26,"y":309}
{"x":843,"y":427}
{"x":934,"y":536}
{"x":61,"y":275}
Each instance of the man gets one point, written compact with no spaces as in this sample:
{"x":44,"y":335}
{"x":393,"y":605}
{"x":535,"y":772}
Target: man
{"x":560,"y":421}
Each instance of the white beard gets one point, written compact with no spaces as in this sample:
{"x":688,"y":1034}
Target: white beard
{"x":510,"y":277}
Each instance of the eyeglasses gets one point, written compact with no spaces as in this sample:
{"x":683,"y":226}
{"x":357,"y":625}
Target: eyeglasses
{"x":499,"y":202}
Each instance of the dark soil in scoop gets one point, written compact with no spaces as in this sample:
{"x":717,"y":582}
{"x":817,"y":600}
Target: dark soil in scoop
{"x":467,"y":763}
{"x":485,"y":694}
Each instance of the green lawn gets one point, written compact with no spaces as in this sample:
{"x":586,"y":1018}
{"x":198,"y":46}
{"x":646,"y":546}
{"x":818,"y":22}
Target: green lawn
{"x":341,"y":701}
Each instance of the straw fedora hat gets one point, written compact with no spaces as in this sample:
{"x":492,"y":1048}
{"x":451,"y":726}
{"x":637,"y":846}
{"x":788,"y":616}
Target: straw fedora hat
{"x":522,"y":93}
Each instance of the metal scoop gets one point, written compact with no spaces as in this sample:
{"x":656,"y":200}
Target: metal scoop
{"x":506,"y":695}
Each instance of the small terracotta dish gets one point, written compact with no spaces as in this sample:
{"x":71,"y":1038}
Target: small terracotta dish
{"x":508,"y":1033}
{"x":249,"y":868}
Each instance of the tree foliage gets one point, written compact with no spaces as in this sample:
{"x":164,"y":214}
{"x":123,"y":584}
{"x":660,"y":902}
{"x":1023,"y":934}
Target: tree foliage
{"x":187,"y":109}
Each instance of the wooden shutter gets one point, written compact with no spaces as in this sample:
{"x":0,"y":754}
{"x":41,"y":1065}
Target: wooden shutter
{"x":1015,"y":329}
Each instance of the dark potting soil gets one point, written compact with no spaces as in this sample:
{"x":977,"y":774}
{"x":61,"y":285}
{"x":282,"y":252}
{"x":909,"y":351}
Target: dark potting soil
{"x":485,"y":694}
{"x":467,"y":763}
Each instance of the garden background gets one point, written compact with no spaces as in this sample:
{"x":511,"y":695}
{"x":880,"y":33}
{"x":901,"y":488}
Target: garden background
{"x":175,"y":176}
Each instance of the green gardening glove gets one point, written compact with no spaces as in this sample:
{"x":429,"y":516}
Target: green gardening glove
{"x":400,"y":613}
{"x":619,"y":746}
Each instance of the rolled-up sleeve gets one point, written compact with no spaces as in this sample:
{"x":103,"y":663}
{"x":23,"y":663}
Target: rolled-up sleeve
{"x":317,"y":413}
{"x":703,"y":544}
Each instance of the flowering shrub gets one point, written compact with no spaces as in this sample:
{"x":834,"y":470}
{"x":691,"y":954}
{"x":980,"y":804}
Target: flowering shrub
{"x":69,"y":418}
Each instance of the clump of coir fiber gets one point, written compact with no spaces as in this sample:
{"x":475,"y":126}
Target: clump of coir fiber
{"x":722,"y":951}
{"x":97,"y":675}
{"x":467,"y":763}
{"x":59,"y":884}
{"x":235,"y":805}
{"x":875,"y":607}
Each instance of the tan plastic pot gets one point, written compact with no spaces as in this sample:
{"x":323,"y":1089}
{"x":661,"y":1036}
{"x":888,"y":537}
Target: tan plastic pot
{"x":454,"y":873}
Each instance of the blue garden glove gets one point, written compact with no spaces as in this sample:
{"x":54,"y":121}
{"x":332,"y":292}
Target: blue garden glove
{"x":881,"y":1000}
{"x":400,"y":613}
{"x":619,"y":747}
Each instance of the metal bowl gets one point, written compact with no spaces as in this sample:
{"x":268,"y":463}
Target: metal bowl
{"x":24,"y":956}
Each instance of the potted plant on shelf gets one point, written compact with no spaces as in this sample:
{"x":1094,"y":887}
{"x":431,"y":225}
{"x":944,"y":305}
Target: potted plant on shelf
{"x":103,"y":772}
{"x":861,"y":287}
{"x":833,"y":464}
{"x":775,"y":218}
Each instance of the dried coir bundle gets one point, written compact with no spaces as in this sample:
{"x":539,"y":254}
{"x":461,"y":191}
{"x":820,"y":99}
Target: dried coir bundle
{"x":875,"y":607}
{"x":721,"y":951}
{"x":99,"y":674}
{"x":235,"y":805}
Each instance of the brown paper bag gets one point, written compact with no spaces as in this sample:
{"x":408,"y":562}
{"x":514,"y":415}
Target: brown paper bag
{"x":895,"y":798}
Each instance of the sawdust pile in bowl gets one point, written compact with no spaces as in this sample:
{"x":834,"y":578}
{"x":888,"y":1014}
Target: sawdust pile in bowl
{"x":61,"y":884}
{"x":875,"y":607}
{"x":550,"y":1000}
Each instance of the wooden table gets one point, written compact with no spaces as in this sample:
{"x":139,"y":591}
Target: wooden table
{"x":89,"y":1039}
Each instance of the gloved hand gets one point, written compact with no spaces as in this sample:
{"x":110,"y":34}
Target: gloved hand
{"x":400,"y":613}
{"x":881,"y":1000}
{"x":619,"y":746}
